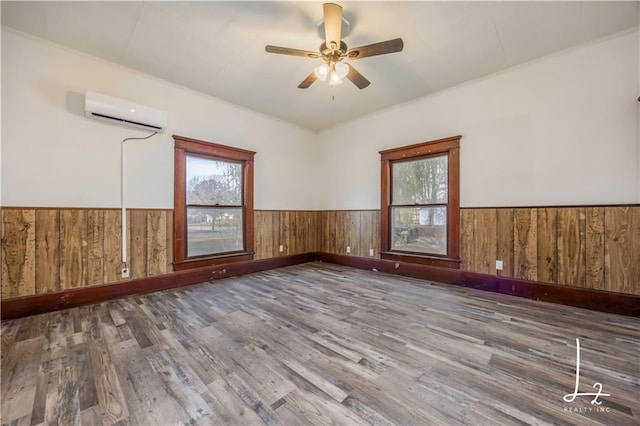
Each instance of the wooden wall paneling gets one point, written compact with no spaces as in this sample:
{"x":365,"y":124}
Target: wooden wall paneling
{"x":95,"y":246}
{"x":548,"y":245}
{"x":504,"y":241}
{"x":73,"y":248}
{"x":318,"y":230}
{"x":329,"y":231}
{"x":299,"y":225}
{"x":622,"y":249}
{"x":321,"y":231}
{"x":294,"y":232}
{"x":525,"y":244}
{"x":47,"y":260}
{"x":370,"y":232}
{"x":264,"y":234}
{"x":259,"y":216}
{"x":367,"y":233}
{"x":355,"y":233}
{"x":330,"y":235}
{"x":336,"y":229}
{"x":304,"y":233}
{"x":263,"y":226}
{"x":467,"y":240}
{"x":272,"y":238}
{"x":311,"y":236}
{"x":376,"y":218}
{"x":275,"y":233}
{"x":156,"y":242}
{"x":137,"y":243}
{"x":324,"y":231}
{"x":594,"y":247}
{"x":129,"y":234}
{"x":342,"y":231}
{"x":571,"y":246}
{"x":286,"y":234}
{"x":485,"y":248}
{"x":169,"y":242}
{"x":303,"y":228}
{"x":18,"y":252}
{"x":112,"y":246}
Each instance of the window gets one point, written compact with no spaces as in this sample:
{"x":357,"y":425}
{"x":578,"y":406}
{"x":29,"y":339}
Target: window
{"x":420,"y":203}
{"x":213,"y":204}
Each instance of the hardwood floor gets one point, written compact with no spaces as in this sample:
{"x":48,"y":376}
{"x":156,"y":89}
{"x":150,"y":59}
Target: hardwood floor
{"x":319,"y":344}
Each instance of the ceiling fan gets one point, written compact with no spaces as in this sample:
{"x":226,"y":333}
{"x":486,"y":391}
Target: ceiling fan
{"x":334,"y":51}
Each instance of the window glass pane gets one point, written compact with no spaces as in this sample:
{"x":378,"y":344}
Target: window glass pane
{"x":421,"y":181}
{"x":419,"y":229}
{"x":213,"y":182}
{"x":213,"y":230}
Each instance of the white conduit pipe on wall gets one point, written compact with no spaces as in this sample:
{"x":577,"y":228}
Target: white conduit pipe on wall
{"x":123,"y":207}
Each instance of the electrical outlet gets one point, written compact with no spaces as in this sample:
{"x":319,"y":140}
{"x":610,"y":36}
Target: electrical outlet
{"x":125,"y":272}
{"x":281,"y":248}
{"x":370,"y":252}
{"x":348,"y":249}
{"x":499,"y":265}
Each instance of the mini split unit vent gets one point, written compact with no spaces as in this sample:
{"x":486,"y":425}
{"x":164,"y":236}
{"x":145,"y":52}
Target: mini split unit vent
{"x":123,"y":112}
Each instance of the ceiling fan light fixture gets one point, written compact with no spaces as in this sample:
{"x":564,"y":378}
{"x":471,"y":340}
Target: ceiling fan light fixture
{"x":321,"y":71}
{"x":342,"y":69}
{"x":334,"y":79}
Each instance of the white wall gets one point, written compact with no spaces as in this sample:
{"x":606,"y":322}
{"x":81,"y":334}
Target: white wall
{"x":560,"y":130}
{"x":53,"y":156}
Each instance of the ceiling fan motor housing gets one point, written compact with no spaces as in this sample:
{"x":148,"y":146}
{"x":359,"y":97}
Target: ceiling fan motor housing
{"x":334,"y":55}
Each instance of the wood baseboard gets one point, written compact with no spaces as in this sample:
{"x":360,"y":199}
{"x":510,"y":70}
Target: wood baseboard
{"x":40,"y":303}
{"x":597,"y":300}
{"x":603,"y":301}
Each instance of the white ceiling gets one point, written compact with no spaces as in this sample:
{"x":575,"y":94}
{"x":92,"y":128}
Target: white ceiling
{"x":217,"y":47}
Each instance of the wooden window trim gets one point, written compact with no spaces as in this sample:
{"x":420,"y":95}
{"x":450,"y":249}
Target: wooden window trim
{"x":450,"y":146}
{"x":187,"y":146}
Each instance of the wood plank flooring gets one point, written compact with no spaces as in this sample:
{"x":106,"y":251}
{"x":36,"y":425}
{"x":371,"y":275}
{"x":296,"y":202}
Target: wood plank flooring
{"x":319,"y":344}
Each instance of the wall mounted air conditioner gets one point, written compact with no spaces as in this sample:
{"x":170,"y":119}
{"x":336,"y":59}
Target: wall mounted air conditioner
{"x":124,"y":112}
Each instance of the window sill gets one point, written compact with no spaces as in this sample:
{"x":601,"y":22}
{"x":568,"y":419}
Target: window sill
{"x":201,"y":262}
{"x":442,"y":262}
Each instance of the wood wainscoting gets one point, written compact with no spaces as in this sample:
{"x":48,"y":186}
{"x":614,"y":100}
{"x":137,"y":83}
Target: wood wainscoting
{"x":48,"y":250}
{"x":297,"y":231}
{"x":579,"y":256}
{"x":595,"y":247}
{"x":588,"y":247}
{"x":357,"y":229}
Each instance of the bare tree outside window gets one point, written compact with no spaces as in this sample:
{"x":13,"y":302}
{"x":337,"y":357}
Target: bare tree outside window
{"x":419,"y":205}
{"x":214,"y":206}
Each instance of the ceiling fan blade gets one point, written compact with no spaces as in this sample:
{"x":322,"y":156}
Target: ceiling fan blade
{"x":311,"y":78}
{"x":332,"y":25}
{"x":357,"y":78}
{"x":381,"y":48}
{"x":292,"y":52}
